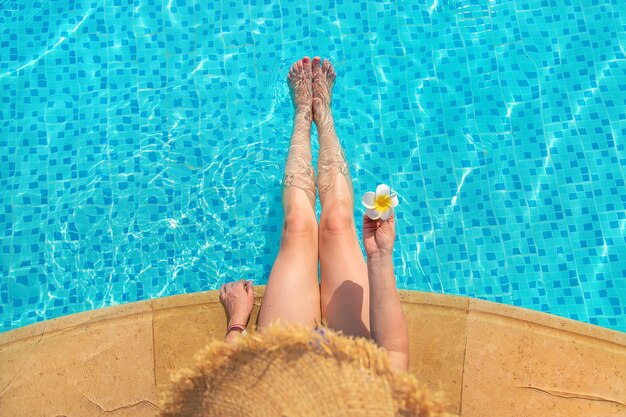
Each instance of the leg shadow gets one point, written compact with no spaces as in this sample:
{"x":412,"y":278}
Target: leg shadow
{"x":343,"y":311}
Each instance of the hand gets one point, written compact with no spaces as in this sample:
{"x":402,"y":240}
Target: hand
{"x":238,"y":299}
{"x":379,"y":235}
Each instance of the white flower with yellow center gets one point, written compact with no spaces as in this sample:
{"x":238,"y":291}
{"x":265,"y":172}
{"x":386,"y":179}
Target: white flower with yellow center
{"x":380,"y":204}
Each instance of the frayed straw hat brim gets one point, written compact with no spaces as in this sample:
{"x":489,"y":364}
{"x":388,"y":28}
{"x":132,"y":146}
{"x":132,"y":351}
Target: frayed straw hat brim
{"x":296,"y":371}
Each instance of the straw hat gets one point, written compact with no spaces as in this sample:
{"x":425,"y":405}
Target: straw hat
{"x":292,"y":371}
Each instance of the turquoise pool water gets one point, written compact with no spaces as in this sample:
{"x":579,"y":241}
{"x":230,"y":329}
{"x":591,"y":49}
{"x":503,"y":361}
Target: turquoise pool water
{"x":142,"y":144}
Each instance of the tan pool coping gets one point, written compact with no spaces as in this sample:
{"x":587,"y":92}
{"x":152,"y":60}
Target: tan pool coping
{"x":489,"y":359}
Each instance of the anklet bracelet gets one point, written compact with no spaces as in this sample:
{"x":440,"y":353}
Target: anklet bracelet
{"x":237,"y":327}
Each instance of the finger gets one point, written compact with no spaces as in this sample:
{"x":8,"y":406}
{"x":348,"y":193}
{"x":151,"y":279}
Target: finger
{"x":367,"y":222}
{"x":249,"y":288}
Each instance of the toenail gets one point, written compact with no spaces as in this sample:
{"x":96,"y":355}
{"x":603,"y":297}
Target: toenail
{"x":305,"y":60}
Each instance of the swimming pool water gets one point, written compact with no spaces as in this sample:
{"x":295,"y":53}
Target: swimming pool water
{"x":142,"y":145}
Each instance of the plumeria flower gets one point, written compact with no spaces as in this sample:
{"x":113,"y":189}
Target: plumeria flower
{"x":380,"y":204}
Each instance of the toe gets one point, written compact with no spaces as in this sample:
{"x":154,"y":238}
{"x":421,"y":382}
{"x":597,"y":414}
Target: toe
{"x":325,"y":65}
{"x":306,"y":62}
{"x":316,"y":70}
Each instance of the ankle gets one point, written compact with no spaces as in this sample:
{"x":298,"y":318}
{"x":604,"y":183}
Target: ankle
{"x":304,"y":112}
{"x":322,"y":115}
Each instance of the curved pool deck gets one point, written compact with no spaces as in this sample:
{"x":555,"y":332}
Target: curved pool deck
{"x":489,"y":359}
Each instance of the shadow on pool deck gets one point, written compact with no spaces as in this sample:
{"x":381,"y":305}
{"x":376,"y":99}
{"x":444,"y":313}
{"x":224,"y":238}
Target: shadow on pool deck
{"x":489,"y":359}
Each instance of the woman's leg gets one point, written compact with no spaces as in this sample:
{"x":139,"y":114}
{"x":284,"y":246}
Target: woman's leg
{"x":345,"y":287}
{"x":292,"y":294}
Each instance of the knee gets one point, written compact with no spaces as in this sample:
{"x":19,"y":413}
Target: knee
{"x":338,"y":218}
{"x":298,"y":223}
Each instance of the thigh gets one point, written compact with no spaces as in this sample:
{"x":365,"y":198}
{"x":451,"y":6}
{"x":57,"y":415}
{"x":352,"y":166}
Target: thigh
{"x":292,"y":295}
{"x":345,"y":286}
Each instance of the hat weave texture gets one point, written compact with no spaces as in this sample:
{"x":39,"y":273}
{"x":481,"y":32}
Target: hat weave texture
{"x":295,"y":371}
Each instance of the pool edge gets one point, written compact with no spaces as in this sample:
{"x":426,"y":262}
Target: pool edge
{"x":464,"y":346}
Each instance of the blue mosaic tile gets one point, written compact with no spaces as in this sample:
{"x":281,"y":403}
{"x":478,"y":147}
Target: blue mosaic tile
{"x":141,"y":146}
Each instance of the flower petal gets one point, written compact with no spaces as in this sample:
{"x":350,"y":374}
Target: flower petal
{"x":372,"y":214}
{"x":382,"y":189}
{"x":368,"y":199}
{"x":386,"y":214}
{"x":394,"y":200}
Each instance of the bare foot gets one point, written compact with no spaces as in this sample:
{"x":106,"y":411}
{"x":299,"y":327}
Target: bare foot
{"x":323,"y":82}
{"x":300,"y":84}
